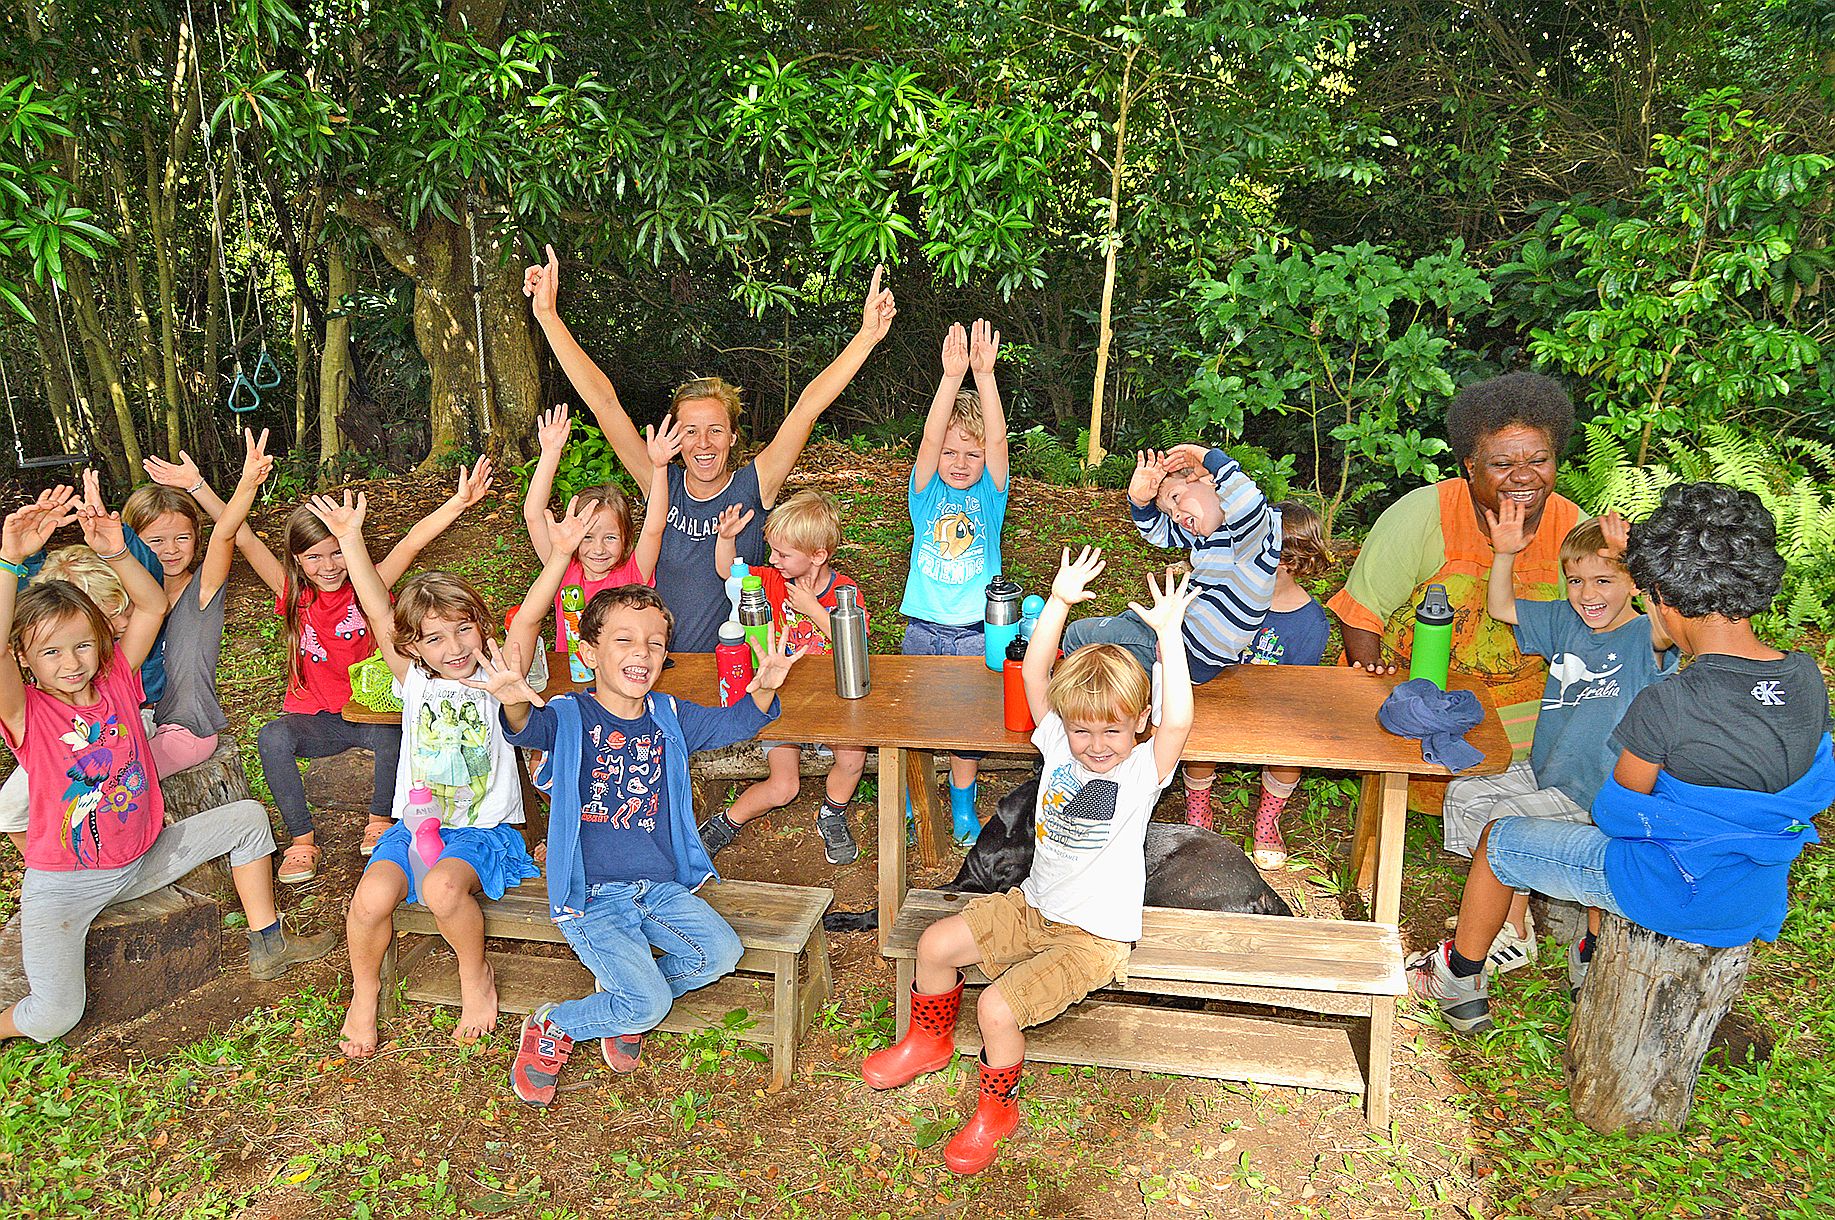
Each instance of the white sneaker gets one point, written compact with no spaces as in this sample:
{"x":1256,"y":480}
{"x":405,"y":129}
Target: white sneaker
{"x":1510,"y":951}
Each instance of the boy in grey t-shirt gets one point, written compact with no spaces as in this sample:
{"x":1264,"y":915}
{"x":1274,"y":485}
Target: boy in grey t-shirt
{"x":1601,"y":652}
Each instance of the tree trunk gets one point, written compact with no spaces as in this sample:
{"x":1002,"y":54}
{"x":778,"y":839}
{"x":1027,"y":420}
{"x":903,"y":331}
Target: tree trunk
{"x":1111,"y":244}
{"x":335,"y":371}
{"x":124,"y":454}
{"x":147,"y":359}
{"x":300,"y":352}
{"x":59,"y":393}
{"x":1643,"y":1024}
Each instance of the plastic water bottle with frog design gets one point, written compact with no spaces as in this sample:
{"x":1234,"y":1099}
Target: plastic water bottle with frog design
{"x":573,"y":601}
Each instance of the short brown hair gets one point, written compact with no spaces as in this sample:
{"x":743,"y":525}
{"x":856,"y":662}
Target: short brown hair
{"x":150,"y":502}
{"x":1304,"y":550}
{"x":635,"y":597}
{"x":437,"y":593}
{"x":809,"y":521}
{"x":52,"y":601}
{"x":717,"y":388}
{"x":966,"y":414}
{"x":1099,"y":683}
{"x":1588,"y":539}
{"x":86,"y":570}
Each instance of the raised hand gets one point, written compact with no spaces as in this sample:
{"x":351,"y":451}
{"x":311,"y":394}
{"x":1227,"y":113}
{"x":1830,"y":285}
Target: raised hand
{"x":503,"y":675}
{"x":955,"y":351}
{"x":1509,"y":532}
{"x":474,"y":484}
{"x":27,"y":529}
{"x":1071,"y":585}
{"x":880,"y":308}
{"x":984,"y":347}
{"x":731,"y":522}
{"x":1185,"y":457}
{"x":553,"y":426}
{"x":775,"y":667}
{"x":344,"y":518}
{"x":1617,"y":531}
{"x":256,"y":464}
{"x":566,"y":531}
{"x":1169,"y":604}
{"x":542,"y":284}
{"x":182,"y":474}
{"x":1149,"y":473}
{"x":663,"y":442}
{"x":101,"y":528}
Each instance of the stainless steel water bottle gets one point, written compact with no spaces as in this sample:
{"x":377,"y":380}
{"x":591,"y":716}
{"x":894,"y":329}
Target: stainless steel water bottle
{"x":1000,"y":622}
{"x":755,"y":617}
{"x":847,"y":624}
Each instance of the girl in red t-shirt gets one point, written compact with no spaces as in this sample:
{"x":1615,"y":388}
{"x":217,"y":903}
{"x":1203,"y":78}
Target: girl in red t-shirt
{"x":96,"y":834}
{"x":326,"y":635}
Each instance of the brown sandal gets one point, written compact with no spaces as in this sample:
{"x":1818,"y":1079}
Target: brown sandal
{"x":372,"y":835}
{"x":300,"y":863}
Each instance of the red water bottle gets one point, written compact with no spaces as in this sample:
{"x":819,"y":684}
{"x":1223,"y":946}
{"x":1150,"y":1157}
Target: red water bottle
{"x":1015,"y":710}
{"x":733,"y":663}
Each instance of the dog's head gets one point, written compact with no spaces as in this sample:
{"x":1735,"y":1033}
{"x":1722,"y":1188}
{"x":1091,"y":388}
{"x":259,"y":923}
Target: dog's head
{"x":1002,"y":856}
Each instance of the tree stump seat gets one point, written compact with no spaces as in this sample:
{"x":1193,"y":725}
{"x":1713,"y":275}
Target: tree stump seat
{"x":217,"y":781}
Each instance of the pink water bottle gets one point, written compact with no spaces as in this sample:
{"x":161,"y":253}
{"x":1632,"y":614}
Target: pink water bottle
{"x":733,"y":663}
{"x":424,"y":843}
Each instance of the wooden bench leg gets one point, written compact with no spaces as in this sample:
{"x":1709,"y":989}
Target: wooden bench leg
{"x":390,"y":1006}
{"x":891,"y":838}
{"x":1391,"y":829}
{"x":1382,"y":1050}
{"x":921,"y":781}
{"x":784,"y":1013}
{"x":907,"y":978}
{"x":820,"y":982}
{"x":1363,"y":835}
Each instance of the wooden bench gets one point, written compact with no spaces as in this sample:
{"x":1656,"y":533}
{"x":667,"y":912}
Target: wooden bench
{"x":1339,"y":968}
{"x":782,"y":978}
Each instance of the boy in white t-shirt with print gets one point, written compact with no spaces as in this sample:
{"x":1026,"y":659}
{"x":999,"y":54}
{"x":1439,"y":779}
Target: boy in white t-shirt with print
{"x":1068,"y":928}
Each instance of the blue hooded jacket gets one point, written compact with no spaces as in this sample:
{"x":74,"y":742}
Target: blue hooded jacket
{"x":1710,"y":865}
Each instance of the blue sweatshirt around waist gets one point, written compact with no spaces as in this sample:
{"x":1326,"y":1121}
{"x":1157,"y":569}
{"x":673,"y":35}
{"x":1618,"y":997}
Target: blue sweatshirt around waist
{"x":1710,"y":865}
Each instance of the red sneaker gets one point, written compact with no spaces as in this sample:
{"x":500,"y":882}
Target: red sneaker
{"x":539,"y":1059}
{"x":622,"y":1053}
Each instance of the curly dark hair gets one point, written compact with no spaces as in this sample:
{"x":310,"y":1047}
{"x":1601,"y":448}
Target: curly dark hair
{"x":1527,"y":399}
{"x":1708,"y":549}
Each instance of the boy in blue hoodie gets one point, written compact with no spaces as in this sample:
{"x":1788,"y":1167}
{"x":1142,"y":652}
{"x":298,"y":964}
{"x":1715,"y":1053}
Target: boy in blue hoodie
{"x":624,"y":858}
{"x":1721,"y":768}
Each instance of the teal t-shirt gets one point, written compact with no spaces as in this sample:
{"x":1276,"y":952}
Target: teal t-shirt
{"x":955,"y":549}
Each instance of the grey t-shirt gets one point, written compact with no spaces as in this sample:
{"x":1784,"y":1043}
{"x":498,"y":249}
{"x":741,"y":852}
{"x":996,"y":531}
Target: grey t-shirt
{"x":685,"y":575}
{"x":194,"y":639}
{"x":1592,"y":678}
{"x":1732,"y":722}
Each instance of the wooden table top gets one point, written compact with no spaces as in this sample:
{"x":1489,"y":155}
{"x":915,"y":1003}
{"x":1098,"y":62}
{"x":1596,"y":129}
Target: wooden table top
{"x":1318,"y":716}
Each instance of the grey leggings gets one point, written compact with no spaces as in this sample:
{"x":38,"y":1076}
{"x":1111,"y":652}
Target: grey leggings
{"x":56,"y":908}
{"x":298,"y":735}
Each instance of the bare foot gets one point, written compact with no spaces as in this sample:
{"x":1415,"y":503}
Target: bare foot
{"x":478,"y":1017}
{"x":360,"y":1037}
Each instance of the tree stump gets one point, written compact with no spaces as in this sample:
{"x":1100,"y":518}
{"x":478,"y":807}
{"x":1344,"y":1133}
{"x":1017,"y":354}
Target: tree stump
{"x":216,"y":781}
{"x":1644,"y":1022}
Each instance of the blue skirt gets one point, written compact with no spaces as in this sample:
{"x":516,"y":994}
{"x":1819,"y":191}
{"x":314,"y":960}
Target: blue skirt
{"x":495,"y":853}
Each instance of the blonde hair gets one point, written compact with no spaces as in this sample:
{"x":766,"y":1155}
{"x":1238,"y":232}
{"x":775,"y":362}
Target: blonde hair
{"x":808,"y":521}
{"x":966,"y":415}
{"x":1587,"y":539}
{"x":1304,"y":549}
{"x":1099,"y":684}
{"x":719,"y":389}
{"x":149,"y":503}
{"x":436,"y":593}
{"x":85,"y":569}
{"x":51,"y":602}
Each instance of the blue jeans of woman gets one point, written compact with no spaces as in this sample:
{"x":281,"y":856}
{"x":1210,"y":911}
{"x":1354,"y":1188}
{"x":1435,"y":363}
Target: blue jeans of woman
{"x":623,"y":921}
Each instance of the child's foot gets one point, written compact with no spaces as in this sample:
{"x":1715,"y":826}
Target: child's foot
{"x":622,"y":1053}
{"x":1511,"y":951}
{"x":1465,"y":1002}
{"x":718,"y":833}
{"x":1270,"y":844}
{"x":837,"y":840}
{"x":299,"y":863}
{"x":272,"y":953}
{"x":1579,"y":958}
{"x":540,"y":1058}
{"x":1198,"y":807}
{"x":965,"y":824}
{"x":358,"y":1038}
{"x":372,"y":835}
{"x":478,"y":1016}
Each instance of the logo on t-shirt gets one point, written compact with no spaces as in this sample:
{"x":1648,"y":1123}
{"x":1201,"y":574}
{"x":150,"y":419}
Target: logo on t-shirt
{"x":105,"y":777}
{"x":1265,"y":649}
{"x":625,"y":784}
{"x":1579,"y":683}
{"x":951,"y":550}
{"x":1769,"y":694}
{"x":1074,"y":816}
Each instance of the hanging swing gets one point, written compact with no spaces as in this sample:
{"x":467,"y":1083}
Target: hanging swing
{"x":21,"y":462}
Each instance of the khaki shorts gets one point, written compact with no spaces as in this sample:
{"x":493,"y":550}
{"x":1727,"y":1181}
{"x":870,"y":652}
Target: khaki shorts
{"x":1042,"y":967}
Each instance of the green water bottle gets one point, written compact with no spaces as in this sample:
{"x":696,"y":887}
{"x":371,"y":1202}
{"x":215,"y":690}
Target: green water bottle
{"x":1433,"y":637}
{"x":755,"y":617}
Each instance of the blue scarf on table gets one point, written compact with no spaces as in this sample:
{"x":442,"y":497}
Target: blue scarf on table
{"x":1440,"y":718}
{"x":1710,"y":865}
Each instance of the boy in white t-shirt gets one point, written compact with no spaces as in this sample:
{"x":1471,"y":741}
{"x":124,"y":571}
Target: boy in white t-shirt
{"x":1068,"y":928}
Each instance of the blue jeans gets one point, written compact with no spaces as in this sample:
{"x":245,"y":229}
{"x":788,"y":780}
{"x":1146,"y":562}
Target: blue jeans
{"x":924,"y":638}
{"x":613,"y":939}
{"x":1126,"y":629}
{"x":1559,"y":859}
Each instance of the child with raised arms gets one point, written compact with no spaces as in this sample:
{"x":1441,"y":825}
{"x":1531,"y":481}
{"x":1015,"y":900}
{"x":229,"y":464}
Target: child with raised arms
{"x":96,"y":835}
{"x":800,"y":584}
{"x":433,"y":639}
{"x":1068,"y":928}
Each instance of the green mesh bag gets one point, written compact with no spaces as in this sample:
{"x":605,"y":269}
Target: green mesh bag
{"x":372,"y":685}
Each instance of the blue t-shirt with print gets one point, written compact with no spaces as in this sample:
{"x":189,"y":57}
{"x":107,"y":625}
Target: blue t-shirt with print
{"x":1592,"y":678}
{"x":1290,"y":637}
{"x":955,"y":549}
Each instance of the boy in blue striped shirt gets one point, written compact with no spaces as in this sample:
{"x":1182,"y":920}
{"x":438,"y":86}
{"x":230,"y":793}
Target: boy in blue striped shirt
{"x":1200,"y":499}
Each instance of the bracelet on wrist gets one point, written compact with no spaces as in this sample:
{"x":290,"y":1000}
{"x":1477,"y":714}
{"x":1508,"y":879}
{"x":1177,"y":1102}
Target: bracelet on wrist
{"x":17,"y":569}
{"x":193,"y":489}
{"x":108,"y":558}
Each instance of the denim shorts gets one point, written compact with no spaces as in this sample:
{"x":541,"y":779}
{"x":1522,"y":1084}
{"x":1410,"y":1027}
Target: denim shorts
{"x":924,"y":638}
{"x":1559,"y":859}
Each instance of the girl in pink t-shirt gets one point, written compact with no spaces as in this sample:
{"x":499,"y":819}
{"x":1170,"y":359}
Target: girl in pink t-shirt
{"x":607,"y":557}
{"x":96,"y":833}
{"x":326,"y":635}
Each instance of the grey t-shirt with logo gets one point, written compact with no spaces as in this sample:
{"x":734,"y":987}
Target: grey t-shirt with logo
{"x":685,"y":576}
{"x":1592,"y":678}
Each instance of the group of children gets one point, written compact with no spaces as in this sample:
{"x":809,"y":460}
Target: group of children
{"x":624,"y":855}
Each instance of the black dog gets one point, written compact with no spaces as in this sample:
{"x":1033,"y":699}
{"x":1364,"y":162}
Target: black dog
{"x":1187,"y":866}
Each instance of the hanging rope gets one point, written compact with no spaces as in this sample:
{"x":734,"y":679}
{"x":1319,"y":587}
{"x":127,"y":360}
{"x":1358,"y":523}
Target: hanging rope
{"x":477,"y":307}
{"x":243,"y":394}
{"x":76,"y":387}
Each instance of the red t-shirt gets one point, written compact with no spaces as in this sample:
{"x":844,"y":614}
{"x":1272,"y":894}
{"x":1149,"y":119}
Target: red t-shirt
{"x":626,"y":573}
{"x":794,"y":631}
{"x":333,"y":636}
{"x":95,"y":800}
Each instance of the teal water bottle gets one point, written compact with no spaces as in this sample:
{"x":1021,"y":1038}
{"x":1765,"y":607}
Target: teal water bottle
{"x":1433,"y":637}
